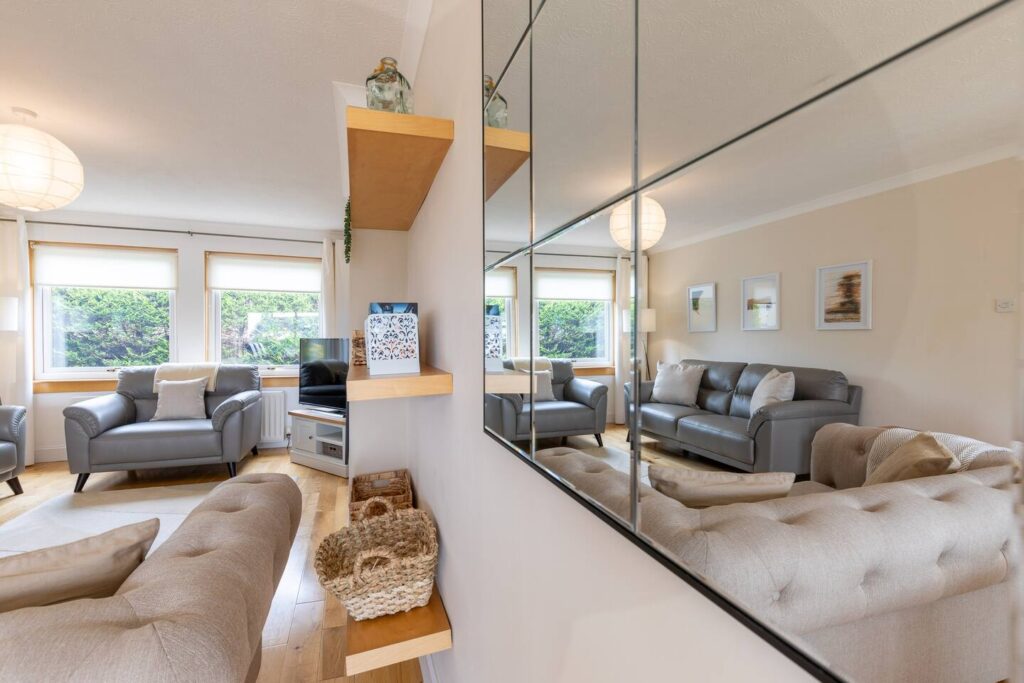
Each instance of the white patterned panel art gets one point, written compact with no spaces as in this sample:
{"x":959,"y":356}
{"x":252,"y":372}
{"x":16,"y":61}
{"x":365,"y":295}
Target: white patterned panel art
{"x":392,"y":343}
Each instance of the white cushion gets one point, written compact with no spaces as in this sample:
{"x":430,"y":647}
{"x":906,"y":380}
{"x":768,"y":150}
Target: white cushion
{"x":775,"y":387}
{"x":544,"y":390}
{"x":181,"y":400}
{"x":698,"y":489}
{"x":677,"y":383}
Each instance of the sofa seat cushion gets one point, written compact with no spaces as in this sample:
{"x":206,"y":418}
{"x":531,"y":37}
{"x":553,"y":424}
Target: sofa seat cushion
{"x":719,"y":434}
{"x":663,"y":418}
{"x":8,"y":456}
{"x":555,"y":417}
{"x":804,"y":488}
{"x":143,"y":442}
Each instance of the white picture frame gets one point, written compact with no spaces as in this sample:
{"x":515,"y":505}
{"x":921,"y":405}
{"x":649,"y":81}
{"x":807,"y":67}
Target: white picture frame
{"x":842,"y":297}
{"x":702,"y":307}
{"x":760,"y":303}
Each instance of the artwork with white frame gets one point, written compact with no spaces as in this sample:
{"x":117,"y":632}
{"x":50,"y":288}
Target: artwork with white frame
{"x":760,"y":305}
{"x":843,"y":297}
{"x":702,"y":308}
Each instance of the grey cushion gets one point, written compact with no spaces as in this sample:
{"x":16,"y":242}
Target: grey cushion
{"x":8,"y":456}
{"x":561,"y":372}
{"x":719,"y":434}
{"x":663,"y":418}
{"x":557,"y":416}
{"x":811,"y":384}
{"x":142,"y":442}
{"x":716,"y":387}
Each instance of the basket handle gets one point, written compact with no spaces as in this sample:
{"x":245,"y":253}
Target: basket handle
{"x":364,"y":511}
{"x":364,"y":555}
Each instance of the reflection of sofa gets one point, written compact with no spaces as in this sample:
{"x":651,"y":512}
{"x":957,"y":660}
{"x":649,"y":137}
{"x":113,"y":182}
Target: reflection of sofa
{"x":322,"y":383}
{"x":580,"y":407}
{"x":194,"y":609}
{"x":720,"y":427}
{"x":114,"y":432}
{"x":12,"y":445}
{"x":905,"y":581}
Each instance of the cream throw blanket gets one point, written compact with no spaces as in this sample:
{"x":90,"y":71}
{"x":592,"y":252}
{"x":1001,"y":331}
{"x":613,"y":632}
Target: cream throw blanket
{"x":176,"y":372}
{"x":523,"y":364}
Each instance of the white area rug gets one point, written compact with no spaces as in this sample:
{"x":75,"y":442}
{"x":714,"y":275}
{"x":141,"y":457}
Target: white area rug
{"x":74,"y":516}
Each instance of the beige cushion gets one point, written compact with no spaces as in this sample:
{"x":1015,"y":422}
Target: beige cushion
{"x":775,"y":387}
{"x":971,"y":453}
{"x":93,"y":567}
{"x":922,"y":456}
{"x":181,"y":400}
{"x":544,"y":390}
{"x":697,"y":489}
{"x":677,"y":383}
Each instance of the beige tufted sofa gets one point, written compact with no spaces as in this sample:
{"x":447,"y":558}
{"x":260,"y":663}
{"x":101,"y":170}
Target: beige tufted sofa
{"x":193,"y":610}
{"x":894,"y":582}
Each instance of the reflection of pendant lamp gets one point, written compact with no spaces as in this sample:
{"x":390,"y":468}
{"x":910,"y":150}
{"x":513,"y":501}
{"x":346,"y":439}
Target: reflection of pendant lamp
{"x":37,"y":171}
{"x":652,"y":224}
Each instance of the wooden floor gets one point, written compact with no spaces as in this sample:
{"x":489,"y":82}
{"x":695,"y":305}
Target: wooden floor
{"x":650,"y":449}
{"x":294,"y":647}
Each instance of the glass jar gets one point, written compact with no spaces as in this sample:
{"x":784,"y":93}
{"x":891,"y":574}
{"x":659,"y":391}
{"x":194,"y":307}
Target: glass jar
{"x":387,"y":89}
{"x":497,"y":107}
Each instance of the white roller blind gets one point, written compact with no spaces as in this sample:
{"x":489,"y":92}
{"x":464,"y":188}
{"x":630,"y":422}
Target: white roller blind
{"x":574,"y":284}
{"x":262,"y":273}
{"x":500,"y":282}
{"x":61,"y":265}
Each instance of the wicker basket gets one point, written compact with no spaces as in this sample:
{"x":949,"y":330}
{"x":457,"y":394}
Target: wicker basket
{"x":395,"y":485}
{"x":380,"y":565}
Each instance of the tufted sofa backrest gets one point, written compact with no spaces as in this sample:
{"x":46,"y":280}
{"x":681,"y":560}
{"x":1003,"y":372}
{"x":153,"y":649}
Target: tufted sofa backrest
{"x":812,"y":384}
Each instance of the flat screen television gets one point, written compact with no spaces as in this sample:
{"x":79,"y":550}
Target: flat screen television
{"x":323,"y":369}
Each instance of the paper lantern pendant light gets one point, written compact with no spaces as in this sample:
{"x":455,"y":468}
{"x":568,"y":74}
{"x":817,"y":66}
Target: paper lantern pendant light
{"x":37,"y":171}
{"x":652,"y":224}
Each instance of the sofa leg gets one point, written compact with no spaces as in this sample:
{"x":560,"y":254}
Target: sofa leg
{"x":80,"y":484}
{"x":15,"y":485}
{"x":255,"y":450}
{"x":232,"y":469}
{"x":565,"y":441}
{"x":599,"y":441}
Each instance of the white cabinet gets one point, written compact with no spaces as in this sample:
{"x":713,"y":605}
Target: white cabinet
{"x":319,"y":440}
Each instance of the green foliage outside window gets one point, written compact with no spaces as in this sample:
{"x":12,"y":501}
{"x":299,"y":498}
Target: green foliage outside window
{"x":264,"y":328}
{"x":573,"y":329}
{"x":95,"y":328}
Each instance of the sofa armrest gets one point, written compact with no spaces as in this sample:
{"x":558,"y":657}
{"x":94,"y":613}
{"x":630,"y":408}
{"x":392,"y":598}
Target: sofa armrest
{"x":231,"y":406}
{"x":585,"y":391}
{"x":839,"y":454}
{"x":12,"y":424}
{"x":516,"y":400}
{"x":646,"y":392}
{"x":798,"y":410}
{"x":100,"y":414}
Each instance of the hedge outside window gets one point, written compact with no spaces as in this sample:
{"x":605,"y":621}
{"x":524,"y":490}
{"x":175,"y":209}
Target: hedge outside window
{"x":500,"y":302}
{"x":574,"y":315}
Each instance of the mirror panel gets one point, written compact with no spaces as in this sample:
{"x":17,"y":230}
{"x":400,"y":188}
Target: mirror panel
{"x":504,"y":22}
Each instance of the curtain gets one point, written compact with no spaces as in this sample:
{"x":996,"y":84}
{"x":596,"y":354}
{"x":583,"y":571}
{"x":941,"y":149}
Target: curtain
{"x":622,"y":373}
{"x":23,"y":375}
{"x":328,"y":292}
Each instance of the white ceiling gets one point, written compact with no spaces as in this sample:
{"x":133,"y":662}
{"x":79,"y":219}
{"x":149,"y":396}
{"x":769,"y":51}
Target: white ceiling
{"x":215,"y":111}
{"x":708,"y":76}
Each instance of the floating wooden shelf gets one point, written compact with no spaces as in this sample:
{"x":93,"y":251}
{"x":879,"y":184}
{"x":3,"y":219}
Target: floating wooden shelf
{"x":504,"y":152}
{"x":392,"y":161}
{"x":429,"y":381}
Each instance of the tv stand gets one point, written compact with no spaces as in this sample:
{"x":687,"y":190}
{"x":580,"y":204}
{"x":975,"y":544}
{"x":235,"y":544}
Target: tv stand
{"x":320,"y":440}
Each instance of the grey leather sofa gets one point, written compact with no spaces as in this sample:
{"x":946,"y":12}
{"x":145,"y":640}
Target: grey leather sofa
{"x":12,"y":445}
{"x":776,"y":439}
{"x":115,"y":432}
{"x":580,"y":407}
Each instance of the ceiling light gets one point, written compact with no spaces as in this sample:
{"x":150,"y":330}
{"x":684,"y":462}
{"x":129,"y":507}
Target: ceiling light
{"x":37,"y":171}
{"x":652,"y":224}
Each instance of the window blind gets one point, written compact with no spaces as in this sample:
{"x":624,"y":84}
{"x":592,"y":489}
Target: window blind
{"x":596,"y":285}
{"x":63,"y":265}
{"x":500,"y":282}
{"x":262,"y":273}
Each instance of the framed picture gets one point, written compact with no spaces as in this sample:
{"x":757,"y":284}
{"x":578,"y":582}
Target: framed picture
{"x":701,"y":308}
{"x":760,"y":304}
{"x":844,"y":297}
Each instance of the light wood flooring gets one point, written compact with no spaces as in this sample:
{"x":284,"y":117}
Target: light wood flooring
{"x":305,"y":626}
{"x":650,"y":449}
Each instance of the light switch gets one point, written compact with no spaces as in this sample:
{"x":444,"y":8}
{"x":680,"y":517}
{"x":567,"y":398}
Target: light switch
{"x":1006,"y":306}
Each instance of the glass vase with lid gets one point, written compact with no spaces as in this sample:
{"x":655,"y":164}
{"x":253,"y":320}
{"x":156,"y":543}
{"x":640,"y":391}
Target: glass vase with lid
{"x":497,"y":106}
{"x":387,"y":89}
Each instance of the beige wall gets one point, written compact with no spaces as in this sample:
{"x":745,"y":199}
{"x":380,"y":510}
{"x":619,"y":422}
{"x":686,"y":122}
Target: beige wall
{"x":938,"y":357}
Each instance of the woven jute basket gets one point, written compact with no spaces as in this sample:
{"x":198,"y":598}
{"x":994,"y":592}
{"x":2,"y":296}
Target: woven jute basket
{"x":395,"y":485}
{"x":380,"y":565}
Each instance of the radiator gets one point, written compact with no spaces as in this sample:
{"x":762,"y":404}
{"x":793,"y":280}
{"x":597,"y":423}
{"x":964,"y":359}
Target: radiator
{"x":274,"y":412}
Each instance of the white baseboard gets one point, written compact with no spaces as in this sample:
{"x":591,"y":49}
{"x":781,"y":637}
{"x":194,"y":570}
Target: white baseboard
{"x":428,"y":671}
{"x":51,"y":454}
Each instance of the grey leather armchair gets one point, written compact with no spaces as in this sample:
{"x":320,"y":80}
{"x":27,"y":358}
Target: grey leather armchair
{"x":13,"y":426}
{"x":115,"y":432}
{"x":580,"y":407}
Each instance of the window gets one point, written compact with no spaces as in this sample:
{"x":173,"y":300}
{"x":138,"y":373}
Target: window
{"x":574,"y":315}
{"x":102,"y":308}
{"x":500,"y":310}
{"x":261,"y":306}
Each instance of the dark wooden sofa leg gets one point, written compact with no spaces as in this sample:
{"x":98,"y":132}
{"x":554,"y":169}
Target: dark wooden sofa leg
{"x":599,"y":441}
{"x":15,"y":485}
{"x":255,"y":450}
{"x":232,"y":469}
{"x":565,"y":441}
{"x":80,"y":484}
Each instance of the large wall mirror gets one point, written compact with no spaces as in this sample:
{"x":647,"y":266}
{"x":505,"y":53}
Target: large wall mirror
{"x":752,"y":295}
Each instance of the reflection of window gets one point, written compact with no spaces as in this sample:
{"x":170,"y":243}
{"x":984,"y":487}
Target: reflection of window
{"x":102,"y":308}
{"x":574,"y":314}
{"x":261,"y":306}
{"x":499,"y":312}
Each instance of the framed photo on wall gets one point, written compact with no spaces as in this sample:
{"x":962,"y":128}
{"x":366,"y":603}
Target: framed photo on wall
{"x":760,"y":304}
{"x":702,"y":308}
{"x":844,"y":297}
